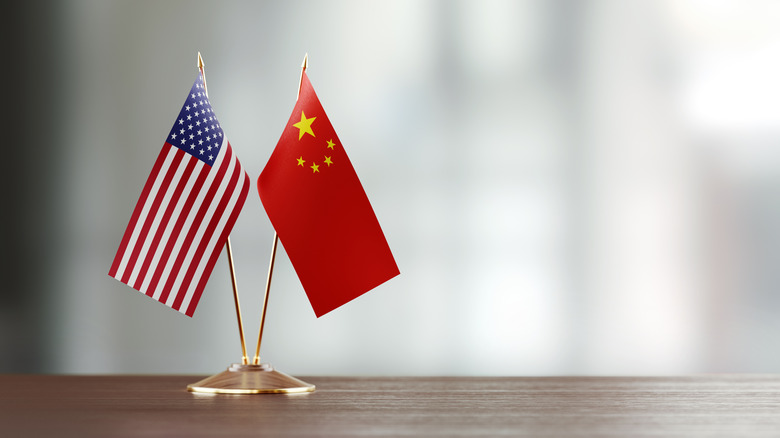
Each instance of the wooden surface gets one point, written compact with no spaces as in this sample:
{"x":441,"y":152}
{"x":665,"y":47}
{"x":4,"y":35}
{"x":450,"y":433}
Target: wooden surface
{"x":128,"y":406}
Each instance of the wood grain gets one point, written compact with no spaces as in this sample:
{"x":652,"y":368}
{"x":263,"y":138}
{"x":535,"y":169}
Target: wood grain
{"x":130,"y":406}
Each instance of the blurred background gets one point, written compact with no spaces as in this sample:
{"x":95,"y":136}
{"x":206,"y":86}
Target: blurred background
{"x":569,"y":187}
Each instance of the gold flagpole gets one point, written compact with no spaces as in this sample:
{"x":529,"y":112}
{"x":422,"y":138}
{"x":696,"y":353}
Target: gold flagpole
{"x":244,"y":358}
{"x":256,"y":359}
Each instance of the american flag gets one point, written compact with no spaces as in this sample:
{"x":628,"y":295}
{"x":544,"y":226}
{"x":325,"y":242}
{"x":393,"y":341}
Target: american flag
{"x":186,"y":210}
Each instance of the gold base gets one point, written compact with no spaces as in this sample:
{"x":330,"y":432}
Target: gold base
{"x":251,"y":379}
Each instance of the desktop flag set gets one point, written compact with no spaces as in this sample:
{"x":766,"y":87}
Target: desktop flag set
{"x":186,"y":211}
{"x":194,"y":195}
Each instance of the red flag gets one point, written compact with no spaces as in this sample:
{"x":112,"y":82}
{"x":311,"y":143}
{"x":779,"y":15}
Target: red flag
{"x":320,"y":211}
{"x":187,"y":208}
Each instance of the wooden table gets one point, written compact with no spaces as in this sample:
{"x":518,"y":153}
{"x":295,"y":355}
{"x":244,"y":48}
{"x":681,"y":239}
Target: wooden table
{"x":734,"y":406}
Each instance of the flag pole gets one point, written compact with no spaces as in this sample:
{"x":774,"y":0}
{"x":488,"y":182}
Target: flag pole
{"x":244,"y":359}
{"x":256,"y":359}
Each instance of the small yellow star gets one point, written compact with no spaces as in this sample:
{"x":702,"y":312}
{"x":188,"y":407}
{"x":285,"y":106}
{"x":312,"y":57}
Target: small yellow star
{"x":331,"y":144}
{"x":328,"y":161}
{"x":301,"y":161}
{"x":315,"y":168}
{"x":304,"y":126}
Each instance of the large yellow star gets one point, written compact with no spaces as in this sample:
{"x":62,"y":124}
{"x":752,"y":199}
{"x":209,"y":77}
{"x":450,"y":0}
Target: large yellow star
{"x":304,"y":126}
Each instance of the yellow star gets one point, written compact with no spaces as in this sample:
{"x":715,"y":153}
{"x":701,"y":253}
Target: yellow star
{"x":301,"y":161}
{"x":331,"y":144}
{"x":328,"y":161}
{"x":315,"y":168}
{"x":304,"y":126}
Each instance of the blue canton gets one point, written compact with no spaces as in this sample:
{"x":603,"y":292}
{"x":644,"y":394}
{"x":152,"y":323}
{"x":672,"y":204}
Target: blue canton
{"x":196,"y":130}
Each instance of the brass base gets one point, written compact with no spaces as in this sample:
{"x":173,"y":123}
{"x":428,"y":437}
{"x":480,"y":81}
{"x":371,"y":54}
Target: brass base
{"x":250,"y":379}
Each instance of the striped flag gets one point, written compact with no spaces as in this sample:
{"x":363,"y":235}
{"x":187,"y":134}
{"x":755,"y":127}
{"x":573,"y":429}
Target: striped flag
{"x":186,"y":210}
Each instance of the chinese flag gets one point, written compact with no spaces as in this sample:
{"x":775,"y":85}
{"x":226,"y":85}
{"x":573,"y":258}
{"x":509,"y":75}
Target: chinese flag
{"x":320,"y":211}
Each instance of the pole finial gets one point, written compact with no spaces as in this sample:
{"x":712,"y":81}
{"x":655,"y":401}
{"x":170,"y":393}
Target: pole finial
{"x":304,"y":65}
{"x":203,"y":74}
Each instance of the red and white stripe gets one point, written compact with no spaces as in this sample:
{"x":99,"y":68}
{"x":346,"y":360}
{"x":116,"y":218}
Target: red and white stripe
{"x":179,"y":226}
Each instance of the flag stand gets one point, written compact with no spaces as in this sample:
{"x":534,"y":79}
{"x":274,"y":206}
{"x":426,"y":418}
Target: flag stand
{"x":255,"y":378}
{"x":250,"y":379}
